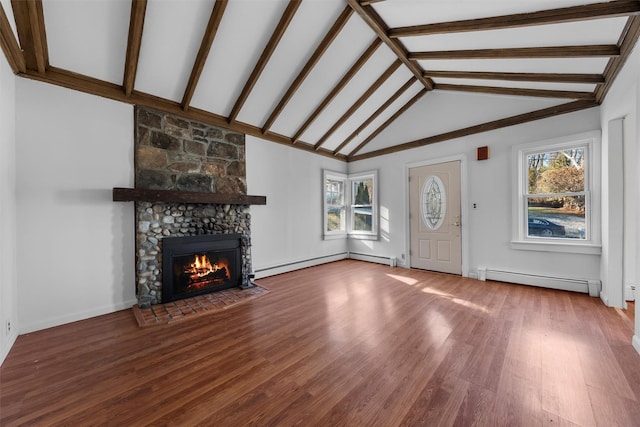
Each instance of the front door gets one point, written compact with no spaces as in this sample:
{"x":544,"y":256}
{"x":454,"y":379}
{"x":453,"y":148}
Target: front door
{"x":435,"y":222}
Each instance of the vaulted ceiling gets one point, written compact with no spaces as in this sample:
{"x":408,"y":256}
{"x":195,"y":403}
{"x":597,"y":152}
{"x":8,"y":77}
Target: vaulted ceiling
{"x":330,"y":76}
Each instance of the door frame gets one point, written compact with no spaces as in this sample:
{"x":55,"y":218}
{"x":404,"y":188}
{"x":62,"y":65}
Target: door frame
{"x":464,"y":206}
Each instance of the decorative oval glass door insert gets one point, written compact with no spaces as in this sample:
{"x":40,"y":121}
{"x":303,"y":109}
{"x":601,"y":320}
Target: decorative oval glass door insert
{"x":433,"y":202}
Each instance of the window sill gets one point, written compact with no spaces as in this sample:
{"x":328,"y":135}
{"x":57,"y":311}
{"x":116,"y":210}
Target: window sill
{"x":572,"y":248}
{"x":335,"y":236}
{"x":363,"y":236}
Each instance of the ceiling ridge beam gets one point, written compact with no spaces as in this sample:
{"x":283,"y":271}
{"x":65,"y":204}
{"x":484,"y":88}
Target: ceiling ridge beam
{"x":366,"y":55}
{"x":205,"y":47}
{"x":551,"y":16}
{"x":628,"y":40}
{"x":495,"y":90}
{"x":377,"y":24}
{"x":376,"y":113}
{"x":283,"y":24}
{"x":93,"y":86}
{"x":134,"y":41}
{"x":328,"y":39}
{"x":519,"y":77}
{"x":10,"y":45}
{"x":363,"y":98}
{"x":484,"y":127}
{"x":521,"y":52}
{"x":29,"y":19}
{"x":387,"y":122}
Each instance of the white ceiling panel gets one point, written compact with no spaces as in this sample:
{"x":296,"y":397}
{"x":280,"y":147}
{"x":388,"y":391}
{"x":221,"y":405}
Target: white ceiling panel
{"x":579,"y":87}
{"x":169,"y":46}
{"x":245,"y":30}
{"x":367,"y":75}
{"x":520,"y":65}
{"x":383,"y":117}
{"x":378,"y":98}
{"x":307,"y":29}
{"x":89,"y":38}
{"x":350,"y":44}
{"x":441,"y":111}
{"x":399,"y":13}
{"x":602,"y":31}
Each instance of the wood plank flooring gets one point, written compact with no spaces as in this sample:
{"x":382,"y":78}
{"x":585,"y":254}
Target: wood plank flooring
{"x":344,"y":344}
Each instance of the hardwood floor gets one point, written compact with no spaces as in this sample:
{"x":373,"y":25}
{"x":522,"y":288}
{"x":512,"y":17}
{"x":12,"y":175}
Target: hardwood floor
{"x":344,"y":344}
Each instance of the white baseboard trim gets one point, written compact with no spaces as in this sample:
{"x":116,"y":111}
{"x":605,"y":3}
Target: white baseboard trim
{"x":26,"y":328}
{"x":605,"y":298}
{"x":11,"y":340}
{"x":297,"y":265}
{"x":636,"y":343}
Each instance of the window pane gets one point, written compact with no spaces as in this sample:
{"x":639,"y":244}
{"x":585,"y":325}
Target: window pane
{"x":559,"y":217}
{"x":334,"y":192}
{"x":363,"y":218}
{"x":362,"y":192}
{"x":556,"y":171}
{"x":335,"y":219}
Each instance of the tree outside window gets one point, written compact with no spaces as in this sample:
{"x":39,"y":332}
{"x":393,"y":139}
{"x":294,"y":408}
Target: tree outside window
{"x":556,"y":196}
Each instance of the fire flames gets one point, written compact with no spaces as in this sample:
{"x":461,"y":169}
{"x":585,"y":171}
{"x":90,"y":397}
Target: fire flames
{"x":202,"y":271}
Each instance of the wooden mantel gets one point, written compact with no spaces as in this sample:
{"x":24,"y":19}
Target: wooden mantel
{"x":173,"y":196}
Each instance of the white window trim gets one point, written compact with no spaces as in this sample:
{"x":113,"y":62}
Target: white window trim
{"x":348,"y":210}
{"x":337,"y":176}
{"x":359,"y":234}
{"x":520,"y":240}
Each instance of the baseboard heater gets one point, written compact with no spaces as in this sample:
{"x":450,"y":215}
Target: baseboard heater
{"x":310,"y":262}
{"x":298,"y":264}
{"x":591,"y":287}
{"x":390,"y":261}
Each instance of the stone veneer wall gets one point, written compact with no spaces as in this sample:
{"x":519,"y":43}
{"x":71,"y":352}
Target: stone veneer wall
{"x":172,"y":153}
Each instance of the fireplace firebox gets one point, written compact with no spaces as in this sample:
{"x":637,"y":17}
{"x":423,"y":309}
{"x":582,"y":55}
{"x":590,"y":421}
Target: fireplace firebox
{"x":196,"y":265}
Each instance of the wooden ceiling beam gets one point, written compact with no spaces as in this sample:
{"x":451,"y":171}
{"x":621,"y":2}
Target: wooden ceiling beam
{"x":484,"y":127}
{"x":521,"y":52}
{"x":552,"y":16}
{"x":519,"y":77}
{"x":134,"y":41}
{"x":371,"y":17}
{"x":29,"y":19}
{"x":517,"y":91}
{"x":376,"y":114}
{"x":313,"y":60}
{"x":10,"y":46}
{"x":285,"y":20}
{"x":366,"y":55}
{"x":390,"y":120}
{"x":366,"y":95}
{"x":205,"y":47}
{"x":90,"y":85}
{"x":627,"y":41}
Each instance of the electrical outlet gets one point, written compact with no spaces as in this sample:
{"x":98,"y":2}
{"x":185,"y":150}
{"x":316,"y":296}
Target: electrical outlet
{"x":8,"y":327}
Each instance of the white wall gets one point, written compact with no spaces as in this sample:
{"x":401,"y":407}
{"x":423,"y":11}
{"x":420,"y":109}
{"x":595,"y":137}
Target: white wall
{"x":487,"y":229}
{"x":287,"y":233}
{"x":75,"y":245}
{"x":622,"y":156}
{"x":8,"y":282}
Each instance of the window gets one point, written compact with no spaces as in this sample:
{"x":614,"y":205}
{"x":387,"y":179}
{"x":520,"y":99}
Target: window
{"x":358,"y":216}
{"x":555,"y":197}
{"x":334,"y":204}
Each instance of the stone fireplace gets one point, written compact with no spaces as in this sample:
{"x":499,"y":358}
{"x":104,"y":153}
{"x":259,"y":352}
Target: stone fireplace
{"x":189,"y":182}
